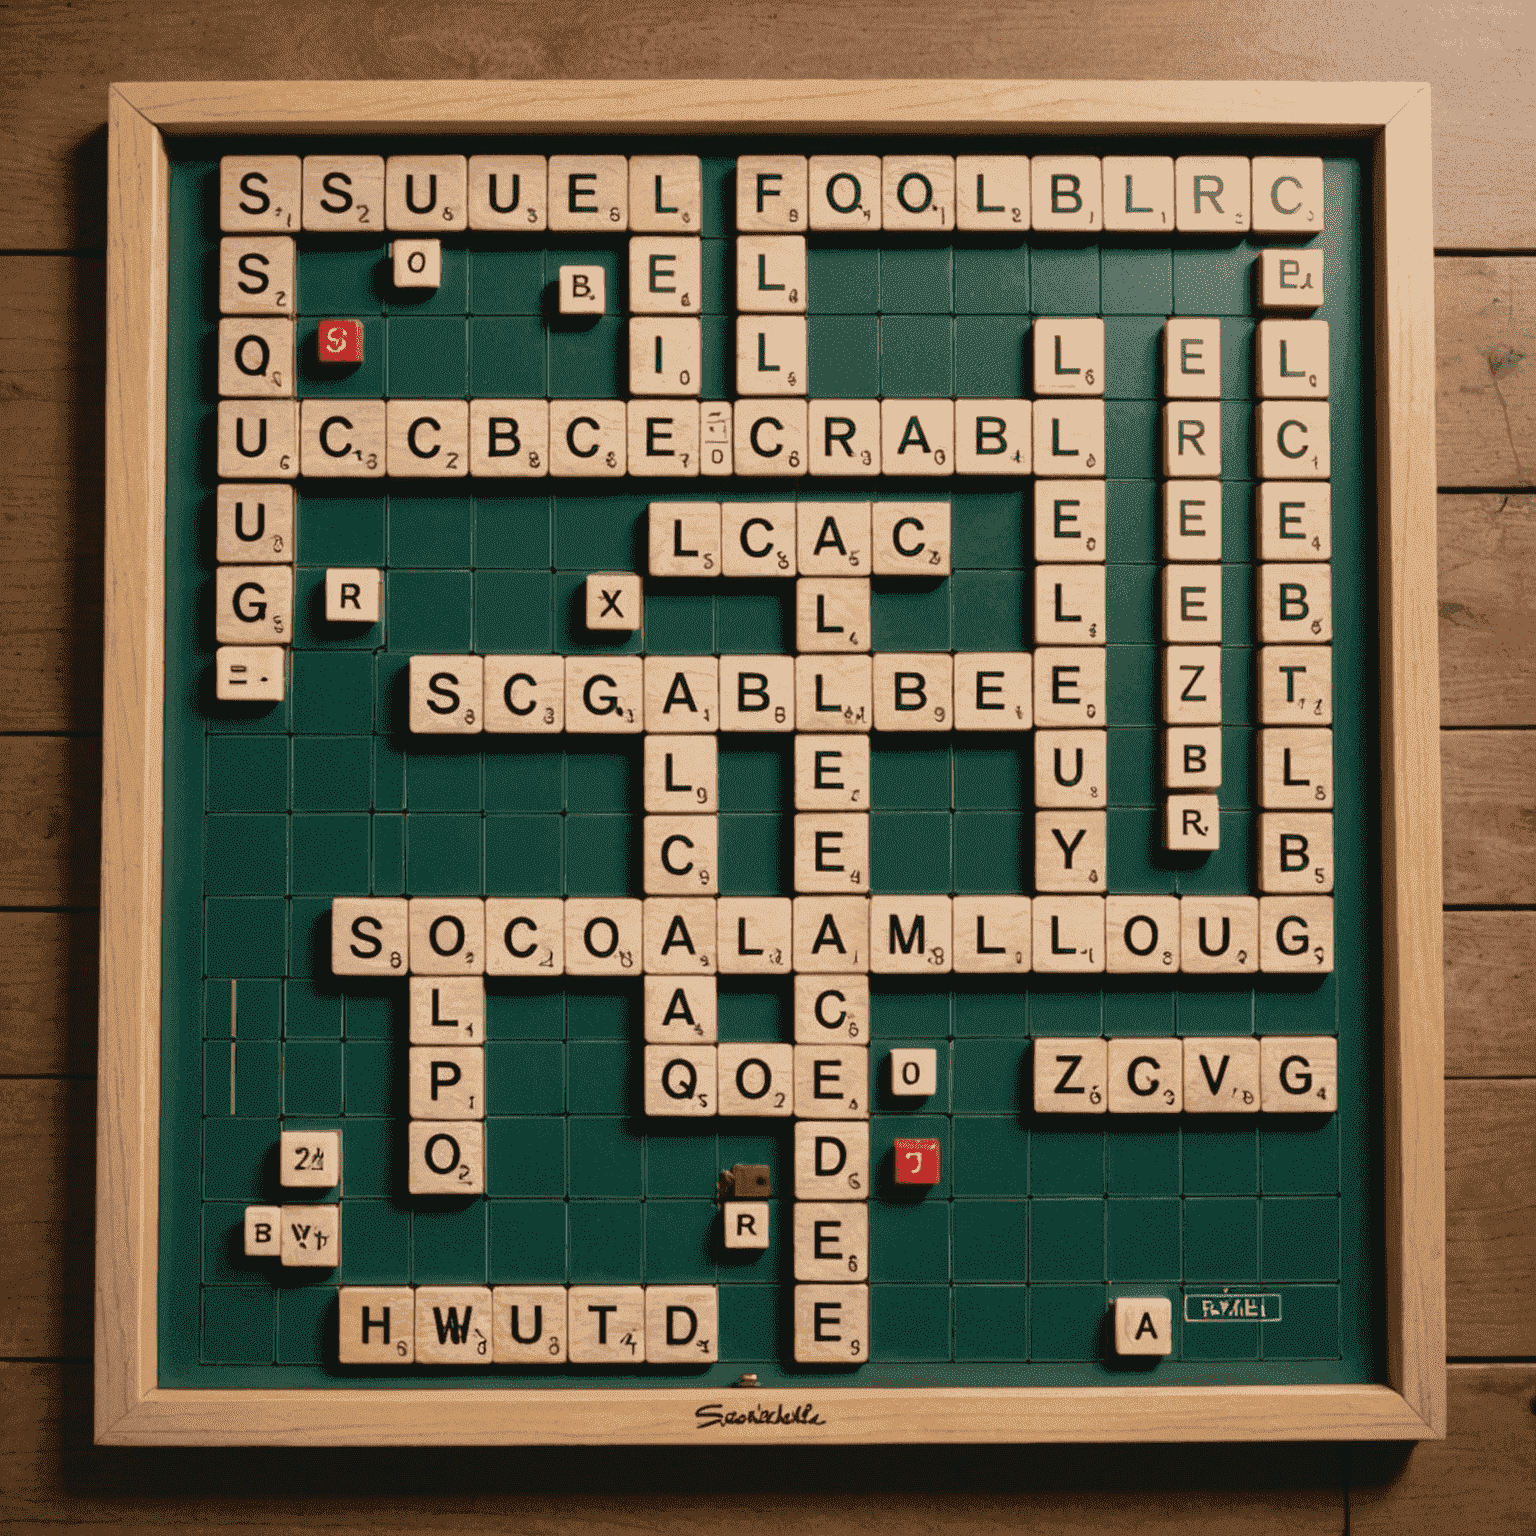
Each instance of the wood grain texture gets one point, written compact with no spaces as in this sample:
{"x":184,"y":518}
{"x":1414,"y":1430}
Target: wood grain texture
{"x":1490,"y":994}
{"x":1479,"y":1481}
{"x":50,"y":1473}
{"x":1479,"y":61}
{"x":1487,"y":613}
{"x":1485,"y":373}
{"x":1490,"y":817}
{"x":47,"y":1128}
{"x":1490,"y":1178}
{"x":50,"y":817}
{"x":52,"y":322}
{"x":48,"y":993}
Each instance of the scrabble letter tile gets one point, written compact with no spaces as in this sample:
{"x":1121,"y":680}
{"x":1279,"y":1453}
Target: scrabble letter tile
{"x":916,"y":1159}
{"x":680,"y":1079}
{"x":352,"y":595}
{"x":1192,"y":359}
{"x":259,"y":194}
{"x":426,"y":194}
{"x":831,"y":1240}
{"x":834,"y":1008}
{"x":1287,"y":195}
{"x":1069,"y":1077}
{"x":603,"y":936}
{"x":370,"y":936}
{"x":1069,"y":604}
{"x":834,"y":693}
{"x":605,"y":694}
{"x":1141,"y":935}
{"x":1296,"y":934}
{"x":1295,"y":604}
{"x":994,"y":691}
{"x":1299,"y":1075}
{"x":1146,"y":1077}
{"x":1143,"y":1325}
{"x":832,"y":1082}
{"x":664,"y":437}
{"x":684,"y":538}
{"x":757,"y":693}
{"x":757,"y":538}
{"x":1296,"y":852}
{"x":991,"y":192}
{"x":1069,"y":933}
{"x":680,"y":1009}
{"x":376,"y":1324}
{"x":756,"y":935}
{"x":771,"y":194}
{"x":1295,"y":685}
{"x":1296,"y":770}
{"x":1221,"y":1076}
{"x":917,"y":437}
{"x":917,"y":192}
{"x":1212,"y":193}
{"x":589,"y":192}
{"x":1138,"y":193}
{"x":664,"y":353}
{"x":447,"y":1082}
{"x":259,"y":440}
{"x":1066,"y":192}
{"x":309,"y":1159}
{"x":255,"y":525}
{"x":1069,"y":521}
{"x":1068,"y":356}
{"x":680,"y":855}
{"x":911,"y":538}
{"x":1192,"y":757}
{"x":914,"y":1072}
{"x":770,"y":355}
{"x":770,"y":274}
{"x":682,"y":1324}
{"x":666,"y":193}
{"x":994,"y":437}
{"x":446,"y":695}
{"x":911,"y":935}
{"x":447,"y":1010}
{"x":831,"y":773}
{"x":1291,"y":357}
{"x":1070,"y":851}
{"x":745,"y":1224}
{"x":311,"y":1236}
{"x":614,"y":601}
{"x":1192,"y":439}
{"x":682,"y":774}
{"x":417,"y":263}
{"x":1069,"y":438}
{"x":1192,"y":823}
{"x":1071,"y":769}
{"x":845,"y":192}
{"x":525,"y":936}
{"x":343,"y":194}
{"x":992,"y":935}
{"x":831,"y":852}
{"x":1290,"y":279}
{"x":833,"y":537}
{"x":1192,"y":684}
{"x":1070,"y":686}
{"x":1293,"y":441}
{"x":1191,"y":520}
{"x":508,"y":192}
{"x":679,"y":935}
{"x":606,"y":1324}
{"x":831,"y":1324}
{"x":454,"y":1325}
{"x":529,"y":1326}
{"x":682,"y":694}
{"x":582,"y":290}
{"x":254,"y":604}
{"x":343,"y":439}
{"x":770,"y":437}
{"x":831,"y":614}
{"x":525,"y":695}
{"x":832,"y":1160}
{"x":757,"y":1079}
{"x":1219,"y":935}
{"x":831,"y":934}
{"x":264,"y":1232}
{"x":1295,"y":520}
{"x":664,"y":276}
{"x":427,"y":438}
{"x":447,"y":935}
{"x":913,"y":692}
{"x":256,"y":277}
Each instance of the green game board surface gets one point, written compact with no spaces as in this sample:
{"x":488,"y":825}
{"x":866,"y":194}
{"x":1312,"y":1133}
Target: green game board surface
{"x":1002,"y":1274}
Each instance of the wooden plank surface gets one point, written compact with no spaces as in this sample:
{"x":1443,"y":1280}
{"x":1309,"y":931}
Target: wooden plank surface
{"x":1479,"y":63}
{"x":1479,"y":1481}
{"x":52,"y":324}
{"x":1490,"y":1237}
{"x":1485,"y":370}
{"x":1490,"y":994}
{"x":50,"y":820}
{"x":1487,"y":620}
{"x":48,"y":993}
{"x":1490,"y":817}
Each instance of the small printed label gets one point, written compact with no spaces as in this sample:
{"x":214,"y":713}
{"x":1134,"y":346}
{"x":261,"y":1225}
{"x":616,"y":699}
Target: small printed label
{"x":1231,"y":1307}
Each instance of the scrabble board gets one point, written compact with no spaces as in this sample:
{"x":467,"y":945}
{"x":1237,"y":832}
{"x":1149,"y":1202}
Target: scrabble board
{"x":784,"y":762}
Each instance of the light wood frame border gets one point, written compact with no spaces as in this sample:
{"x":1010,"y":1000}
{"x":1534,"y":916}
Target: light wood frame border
{"x":131,"y":1408}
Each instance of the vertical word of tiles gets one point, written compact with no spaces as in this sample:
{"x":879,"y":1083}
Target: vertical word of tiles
{"x":830,"y":681}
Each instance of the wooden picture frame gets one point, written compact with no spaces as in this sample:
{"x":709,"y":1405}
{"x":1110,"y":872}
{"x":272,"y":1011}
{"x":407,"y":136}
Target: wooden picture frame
{"x":1392,"y":121}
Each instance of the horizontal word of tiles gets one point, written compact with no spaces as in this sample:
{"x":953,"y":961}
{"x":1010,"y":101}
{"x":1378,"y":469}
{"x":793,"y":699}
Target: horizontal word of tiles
{"x":528,"y":1325}
{"x":698,"y":937}
{"x":281,"y":439}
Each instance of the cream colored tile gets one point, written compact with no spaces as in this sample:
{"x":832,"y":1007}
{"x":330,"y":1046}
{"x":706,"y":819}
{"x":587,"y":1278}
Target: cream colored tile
{"x":446,"y":695}
{"x":993,"y":935}
{"x":831,"y":934}
{"x":370,"y":936}
{"x":525,"y":936}
{"x":833,"y":1008}
{"x":1219,"y":934}
{"x":1070,"y":1077}
{"x":1145,"y":1076}
{"x":680,"y":935}
{"x":680,"y":1010}
{"x":911,"y":935}
{"x":757,"y":1080}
